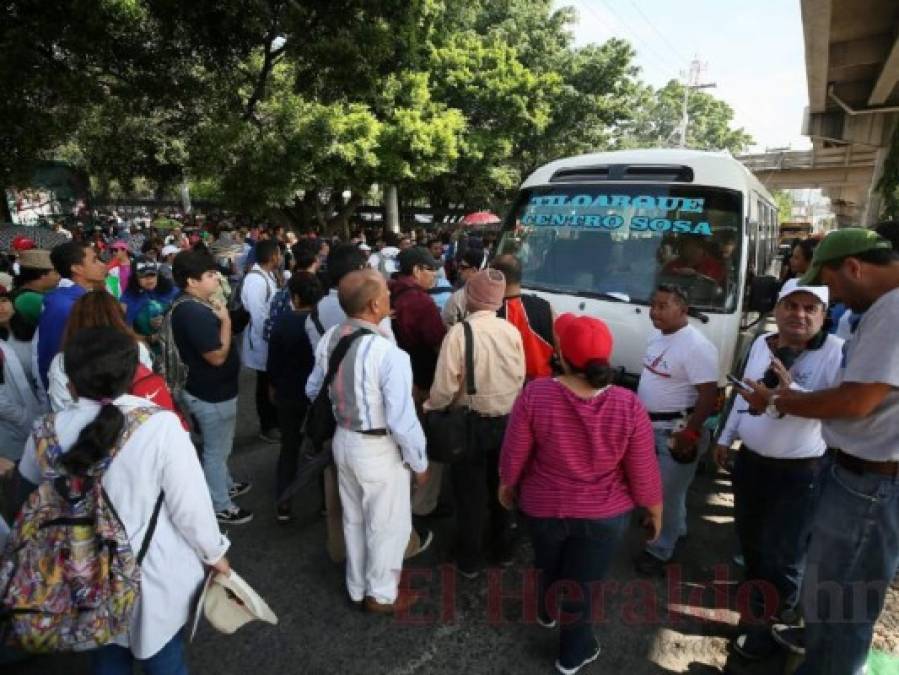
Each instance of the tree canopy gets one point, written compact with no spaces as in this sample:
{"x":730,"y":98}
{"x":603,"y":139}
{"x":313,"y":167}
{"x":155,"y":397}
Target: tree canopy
{"x":270,"y":103}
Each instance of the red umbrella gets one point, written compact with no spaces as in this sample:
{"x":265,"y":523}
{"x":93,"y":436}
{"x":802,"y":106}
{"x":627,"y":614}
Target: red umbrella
{"x":480,"y":218}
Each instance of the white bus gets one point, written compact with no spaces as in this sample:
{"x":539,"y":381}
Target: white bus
{"x":596,"y":234}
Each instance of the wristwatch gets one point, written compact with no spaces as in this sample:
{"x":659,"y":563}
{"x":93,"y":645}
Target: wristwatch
{"x":771,"y":409}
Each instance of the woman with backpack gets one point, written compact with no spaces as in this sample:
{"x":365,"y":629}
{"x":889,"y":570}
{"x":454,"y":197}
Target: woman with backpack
{"x":148,"y":469}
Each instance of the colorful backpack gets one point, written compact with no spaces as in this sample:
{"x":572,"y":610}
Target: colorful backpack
{"x":69,"y":580}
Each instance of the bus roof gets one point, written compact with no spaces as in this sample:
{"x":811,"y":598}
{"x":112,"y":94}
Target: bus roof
{"x":709,"y":168}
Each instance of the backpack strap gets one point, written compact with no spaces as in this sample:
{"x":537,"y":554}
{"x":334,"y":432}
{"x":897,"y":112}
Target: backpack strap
{"x":313,"y":316}
{"x":470,"y":388}
{"x":151,"y":528}
{"x":343,"y":346}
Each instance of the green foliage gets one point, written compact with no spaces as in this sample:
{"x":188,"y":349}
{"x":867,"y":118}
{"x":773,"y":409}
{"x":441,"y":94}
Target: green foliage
{"x":454,"y":101}
{"x":888,"y":185}
{"x":784,"y":201}
{"x":658,"y":116}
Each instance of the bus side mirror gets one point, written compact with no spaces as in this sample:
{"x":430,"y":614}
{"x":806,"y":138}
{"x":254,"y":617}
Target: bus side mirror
{"x":762,"y":294}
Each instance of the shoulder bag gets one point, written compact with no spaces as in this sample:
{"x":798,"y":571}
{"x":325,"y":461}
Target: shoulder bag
{"x":448,"y":431}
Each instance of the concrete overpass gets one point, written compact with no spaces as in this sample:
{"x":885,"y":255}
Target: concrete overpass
{"x":852,"y":70}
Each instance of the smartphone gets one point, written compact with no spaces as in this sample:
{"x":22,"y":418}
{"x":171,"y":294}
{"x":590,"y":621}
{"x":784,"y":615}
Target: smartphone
{"x":738,"y":383}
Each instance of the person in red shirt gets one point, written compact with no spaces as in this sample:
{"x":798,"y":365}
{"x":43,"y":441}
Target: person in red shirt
{"x":417,"y":325}
{"x":577,"y":458}
{"x":694,"y":259}
{"x":419,"y":332}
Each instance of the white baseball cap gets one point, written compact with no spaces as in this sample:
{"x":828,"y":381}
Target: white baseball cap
{"x":792,"y":286}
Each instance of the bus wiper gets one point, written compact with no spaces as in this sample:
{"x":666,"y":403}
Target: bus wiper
{"x":696,"y":314}
{"x":613,"y":296}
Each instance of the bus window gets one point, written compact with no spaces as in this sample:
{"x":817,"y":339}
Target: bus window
{"x":626,"y":239}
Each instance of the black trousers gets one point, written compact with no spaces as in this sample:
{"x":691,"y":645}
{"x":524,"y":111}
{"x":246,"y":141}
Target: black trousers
{"x":268,"y":414}
{"x":481,"y":521}
{"x":290,"y":419}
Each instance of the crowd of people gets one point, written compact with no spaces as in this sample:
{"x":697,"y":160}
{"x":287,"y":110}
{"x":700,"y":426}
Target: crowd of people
{"x":122,"y":354}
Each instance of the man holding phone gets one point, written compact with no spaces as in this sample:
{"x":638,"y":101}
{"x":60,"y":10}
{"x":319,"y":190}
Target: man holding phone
{"x":777,"y":473}
{"x":853,"y":554}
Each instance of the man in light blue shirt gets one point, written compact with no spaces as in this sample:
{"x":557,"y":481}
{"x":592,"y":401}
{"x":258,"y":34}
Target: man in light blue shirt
{"x":378,"y":441}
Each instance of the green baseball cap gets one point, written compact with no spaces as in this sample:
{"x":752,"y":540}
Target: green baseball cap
{"x":841,"y":244}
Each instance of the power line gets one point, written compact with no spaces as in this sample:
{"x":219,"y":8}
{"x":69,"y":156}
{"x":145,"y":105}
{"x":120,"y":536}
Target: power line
{"x":673,"y":49}
{"x":617,"y":30}
{"x":638,"y":41}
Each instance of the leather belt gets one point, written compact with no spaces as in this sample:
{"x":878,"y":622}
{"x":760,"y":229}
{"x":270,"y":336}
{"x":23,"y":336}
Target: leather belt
{"x":668,"y":416}
{"x":374,"y":432}
{"x":783,"y":462}
{"x":860,"y":466}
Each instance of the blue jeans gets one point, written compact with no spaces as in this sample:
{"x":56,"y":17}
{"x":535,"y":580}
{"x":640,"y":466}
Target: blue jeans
{"x":774,"y":506}
{"x":216,"y":422}
{"x":676,"y":479}
{"x":853,"y":556}
{"x":578,"y":550}
{"x":116,"y":660}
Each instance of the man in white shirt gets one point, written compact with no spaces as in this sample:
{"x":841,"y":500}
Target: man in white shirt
{"x":679,"y":387}
{"x":377,"y":442}
{"x":778,"y":470}
{"x":256,"y":293}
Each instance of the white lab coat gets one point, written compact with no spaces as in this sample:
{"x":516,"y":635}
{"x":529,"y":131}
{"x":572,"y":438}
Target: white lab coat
{"x":259,"y":287}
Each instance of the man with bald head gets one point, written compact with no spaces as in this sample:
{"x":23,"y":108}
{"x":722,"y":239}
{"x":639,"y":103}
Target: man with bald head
{"x":377,"y":442}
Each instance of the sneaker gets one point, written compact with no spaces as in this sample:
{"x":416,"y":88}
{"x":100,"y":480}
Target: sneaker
{"x":468,"y":574}
{"x":754,"y":646}
{"x":571,"y":671}
{"x":546,"y":620}
{"x":284,"y":514}
{"x":791,"y":638}
{"x":650,"y":566}
{"x":234,"y":516}
{"x":425,"y":538}
{"x":271,"y":436}
{"x":238,"y":489}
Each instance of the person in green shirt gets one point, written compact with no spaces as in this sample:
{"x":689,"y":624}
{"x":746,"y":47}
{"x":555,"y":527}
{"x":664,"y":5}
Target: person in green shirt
{"x":36,"y":276}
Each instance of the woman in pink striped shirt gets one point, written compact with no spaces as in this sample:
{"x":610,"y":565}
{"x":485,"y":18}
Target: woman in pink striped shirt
{"x":578,"y":457}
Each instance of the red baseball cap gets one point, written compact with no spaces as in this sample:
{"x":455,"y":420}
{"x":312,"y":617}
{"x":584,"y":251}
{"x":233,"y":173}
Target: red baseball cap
{"x":22,"y":243}
{"x":583,"y":339}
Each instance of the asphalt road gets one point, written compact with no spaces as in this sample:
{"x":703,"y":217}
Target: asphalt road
{"x":647,"y":627}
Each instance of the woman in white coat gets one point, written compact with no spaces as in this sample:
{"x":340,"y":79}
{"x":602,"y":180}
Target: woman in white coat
{"x":157,"y":457}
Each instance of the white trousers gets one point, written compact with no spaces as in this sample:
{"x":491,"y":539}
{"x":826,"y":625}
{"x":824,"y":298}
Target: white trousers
{"x":377,"y":519}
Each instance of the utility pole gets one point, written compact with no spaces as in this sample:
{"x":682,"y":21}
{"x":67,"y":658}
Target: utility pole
{"x":692,"y":82}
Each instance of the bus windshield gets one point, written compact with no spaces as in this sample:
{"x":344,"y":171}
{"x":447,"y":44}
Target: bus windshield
{"x":619,"y":242}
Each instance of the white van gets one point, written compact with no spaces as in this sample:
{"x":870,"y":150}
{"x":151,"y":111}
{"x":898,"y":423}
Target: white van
{"x":596,"y":234}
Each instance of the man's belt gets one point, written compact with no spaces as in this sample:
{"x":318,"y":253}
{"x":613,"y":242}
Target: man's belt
{"x":669,"y":416}
{"x":860,"y":466}
{"x":374,"y":432}
{"x":783,"y":462}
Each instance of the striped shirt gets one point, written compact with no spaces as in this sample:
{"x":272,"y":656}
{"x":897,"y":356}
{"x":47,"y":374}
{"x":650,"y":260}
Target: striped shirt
{"x":372,"y":388}
{"x":572,"y":457}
